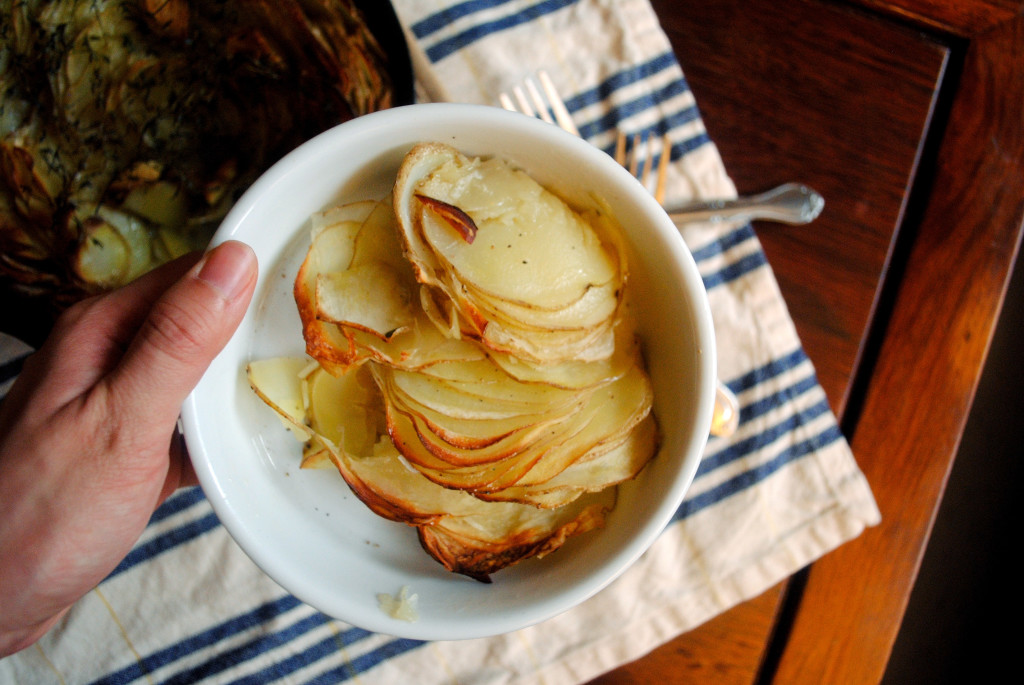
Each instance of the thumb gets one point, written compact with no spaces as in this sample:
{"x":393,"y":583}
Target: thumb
{"x":182,"y":333}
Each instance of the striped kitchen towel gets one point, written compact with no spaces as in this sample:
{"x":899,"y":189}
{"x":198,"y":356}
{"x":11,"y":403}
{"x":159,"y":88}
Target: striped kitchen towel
{"x":188,"y":606}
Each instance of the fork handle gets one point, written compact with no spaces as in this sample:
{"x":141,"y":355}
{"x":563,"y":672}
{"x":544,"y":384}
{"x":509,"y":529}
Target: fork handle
{"x":790,"y":203}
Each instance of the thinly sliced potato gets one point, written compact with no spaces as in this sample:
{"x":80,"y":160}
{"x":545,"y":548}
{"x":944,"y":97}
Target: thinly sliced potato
{"x":483,"y":382}
{"x":440,"y":439}
{"x":551,"y":348}
{"x":331,"y":250}
{"x":503,"y":448}
{"x":602,"y":423}
{"x":378,"y":241}
{"x":535,"y":281}
{"x":620,"y":463}
{"x":595,"y":308}
{"x":339,"y":344}
{"x":465,"y":534}
{"x":576,"y":374}
{"x":604,"y":420}
{"x":452,"y":401}
{"x":315,"y":455}
{"x":467,"y":545}
{"x":618,"y":408}
{"x":494,"y":412}
{"x":346,"y":410}
{"x":277,"y":382}
{"x":530,"y":248}
{"x":371,"y":297}
{"x":478,"y":477}
{"x":351,"y":212}
{"x":419,"y":346}
{"x":470,"y":432}
{"x":341,"y":282}
{"x":442,"y":312}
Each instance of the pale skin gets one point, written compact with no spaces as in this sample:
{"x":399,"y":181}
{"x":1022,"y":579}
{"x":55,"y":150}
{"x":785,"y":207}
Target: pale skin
{"x":88,"y":441}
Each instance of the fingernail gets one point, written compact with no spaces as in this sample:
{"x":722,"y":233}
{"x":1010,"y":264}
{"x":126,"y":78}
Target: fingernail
{"x":228,"y":267}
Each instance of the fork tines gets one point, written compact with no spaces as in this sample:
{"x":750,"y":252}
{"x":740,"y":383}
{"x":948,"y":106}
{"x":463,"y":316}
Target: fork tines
{"x":547,"y":106}
{"x":632,"y":163}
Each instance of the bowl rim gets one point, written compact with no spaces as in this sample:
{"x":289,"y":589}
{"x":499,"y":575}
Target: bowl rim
{"x":440,"y":114}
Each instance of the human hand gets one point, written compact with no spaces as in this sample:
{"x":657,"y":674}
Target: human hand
{"x":88,"y":446}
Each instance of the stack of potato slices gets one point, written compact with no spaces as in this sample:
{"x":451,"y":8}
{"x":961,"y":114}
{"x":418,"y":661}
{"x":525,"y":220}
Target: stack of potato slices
{"x":474,"y":372}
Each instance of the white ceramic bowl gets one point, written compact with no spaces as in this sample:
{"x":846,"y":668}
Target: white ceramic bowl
{"x":304,"y":528}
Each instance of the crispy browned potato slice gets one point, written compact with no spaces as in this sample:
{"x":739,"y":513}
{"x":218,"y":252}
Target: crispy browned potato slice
{"x":604,"y":420}
{"x":483,"y":389}
{"x":333,"y":242}
{"x":466,"y":534}
{"x":346,"y":331}
{"x":530,"y":249}
{"x":592,"y":473}
{"x":478,"y":546}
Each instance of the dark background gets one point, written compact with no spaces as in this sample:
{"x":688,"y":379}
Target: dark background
{"x":967,"y":598}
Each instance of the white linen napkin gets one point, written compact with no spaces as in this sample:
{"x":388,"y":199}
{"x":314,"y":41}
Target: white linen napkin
{"x":188,"y":606}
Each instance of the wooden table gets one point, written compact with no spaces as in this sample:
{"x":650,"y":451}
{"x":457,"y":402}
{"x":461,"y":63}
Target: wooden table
{"x":907,"y":117}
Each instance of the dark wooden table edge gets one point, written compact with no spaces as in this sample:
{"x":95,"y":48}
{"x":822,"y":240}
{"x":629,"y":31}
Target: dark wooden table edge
{"x":912,"y":400}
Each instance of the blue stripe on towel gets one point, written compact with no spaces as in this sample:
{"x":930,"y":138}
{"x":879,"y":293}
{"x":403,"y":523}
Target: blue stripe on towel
{"x":728,"y":241}
{"x":178,"y":502}
{"x":365,"y":662}
{"x":252,"y":649}
{"x":622,"y":79}
{"x":679,"y":148}
{"x":757,"y":474}
{"x":737,"y":269}
{"x":606,"y":90}
{"x":224,"y":659}
{"x":202,"y":640}
{"x":614,"y":114}
{"x":329,"y":646}
{"x":690,"y":144}
{"x":166,"y":542}
{"x":611,"y":119}
{"x":638,"y":104}
{"x":762,"y":440}
{"x":768,"y":371}
{"x":438,"y":21}
{"x":779,"y":399}
{"x":448,"y":46}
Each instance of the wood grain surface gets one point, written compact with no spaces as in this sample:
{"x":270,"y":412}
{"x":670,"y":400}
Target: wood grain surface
{"x":906,"y":116}
{"x":790,"y":95}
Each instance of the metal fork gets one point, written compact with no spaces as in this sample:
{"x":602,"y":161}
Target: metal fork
{"x":790,"y":203}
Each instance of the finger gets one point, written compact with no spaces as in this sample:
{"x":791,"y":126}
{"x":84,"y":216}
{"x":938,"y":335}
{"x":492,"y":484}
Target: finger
{"x":182,"y":332}
{"x":91,"y":336}
{"x":118,"y":315}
